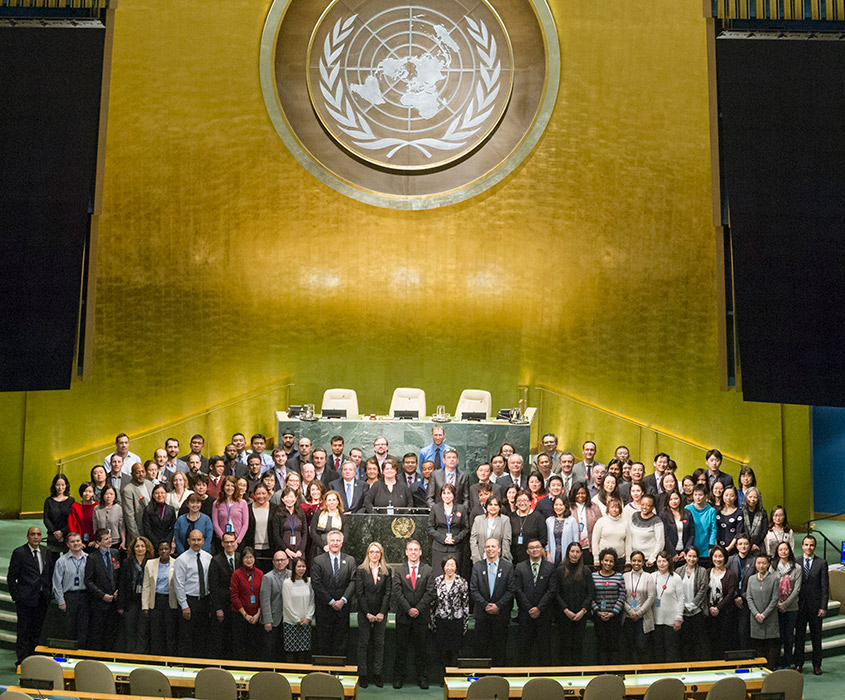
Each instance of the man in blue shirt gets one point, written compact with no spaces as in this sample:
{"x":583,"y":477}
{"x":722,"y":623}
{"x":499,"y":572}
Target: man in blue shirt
{"x":435,"y":451}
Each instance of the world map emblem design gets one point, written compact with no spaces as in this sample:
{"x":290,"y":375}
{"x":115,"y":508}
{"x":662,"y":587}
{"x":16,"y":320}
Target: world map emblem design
{"x":409,"y":87}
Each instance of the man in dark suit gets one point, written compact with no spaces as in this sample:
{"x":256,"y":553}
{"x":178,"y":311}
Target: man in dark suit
{"x":491,"y":589}
{"x":220,"y":572}
{"x":102,"y":577}
{"x":812,"y":604}
{"x":651,"y":482}
{"x":30,"y":581}
{"x":333,"y":581}
{"x":351,"y":490}
{"x":483,"y":472}
{"x":414,"y":480}
{"x":336,"y":456}
{"x":448,"y":475}
{"x":413,"y":593}
{"x":515,"y":474}
{"x":535,"y":593}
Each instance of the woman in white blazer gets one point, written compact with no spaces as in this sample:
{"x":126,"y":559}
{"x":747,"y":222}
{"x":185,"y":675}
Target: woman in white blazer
{"x":490,"y":524}
{"x":158,"y":601}
{"x":561,"y":529}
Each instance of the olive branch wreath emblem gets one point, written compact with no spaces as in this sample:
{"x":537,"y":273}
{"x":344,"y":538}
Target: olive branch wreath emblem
{"x":355,"y":125}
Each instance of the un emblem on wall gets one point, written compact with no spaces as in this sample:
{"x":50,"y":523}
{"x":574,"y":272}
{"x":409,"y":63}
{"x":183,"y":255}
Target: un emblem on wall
{"x":410,"y":105}
{"x":410,"y":86}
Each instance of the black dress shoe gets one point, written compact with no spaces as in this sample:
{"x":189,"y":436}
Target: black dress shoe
{"x":378,"y":682}
{"x":362,"y":682}
{"x":817,"y":670}
{"x":397,"y":683}
{"x":423,"y":684}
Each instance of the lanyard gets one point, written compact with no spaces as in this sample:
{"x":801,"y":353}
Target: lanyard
{"x":292,"y":527}
{"x":637,"y":584}
{"x":663,"y":589}
{"x":449,"y":521}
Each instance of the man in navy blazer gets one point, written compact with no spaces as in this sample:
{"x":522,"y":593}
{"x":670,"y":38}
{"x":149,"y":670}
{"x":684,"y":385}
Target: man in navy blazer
{"x":348,"y":485}
{"x":812,"y":603}
{"x":515,"y":474}
{"x":30,"y":584}
{"x":102,"y":577}
{"x":491,"y":588}
{"x":333,"y":581}
{"x":535,"y":593}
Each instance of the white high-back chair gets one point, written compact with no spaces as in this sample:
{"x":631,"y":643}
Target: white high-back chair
{"x":474,"y":401}
{"x":341,"y":398}
{"x":408,"y":399}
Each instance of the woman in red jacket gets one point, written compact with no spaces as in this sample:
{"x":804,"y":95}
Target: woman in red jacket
{"x":245,"y":590}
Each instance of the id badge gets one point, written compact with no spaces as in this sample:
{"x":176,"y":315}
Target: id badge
{"x":75,"y":581}
{"x":634,"y":603}
{"x":229,"y":527}
{"x":252,"y":600}
{"x":390,"y":510}
{"x":657,"y":603}
{"x":519,"y":540}
{"x":138,"y":588}
{"x":293,"y":540}
{"x":603,"y":605}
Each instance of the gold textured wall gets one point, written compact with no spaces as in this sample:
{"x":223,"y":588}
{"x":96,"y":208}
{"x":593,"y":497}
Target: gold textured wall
{"x":224,"y":267}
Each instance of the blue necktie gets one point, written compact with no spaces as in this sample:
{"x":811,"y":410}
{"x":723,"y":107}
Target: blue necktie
{"x":348,"y":495}
{"x":807,"y":566}
{"x":491,"y":575}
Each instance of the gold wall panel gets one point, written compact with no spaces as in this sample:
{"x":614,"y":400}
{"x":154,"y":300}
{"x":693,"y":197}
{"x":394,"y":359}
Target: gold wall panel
{"x":224,"y":266}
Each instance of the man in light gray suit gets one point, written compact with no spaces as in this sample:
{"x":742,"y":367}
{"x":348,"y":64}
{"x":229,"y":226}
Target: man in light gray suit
{"x":134,"y":497}
{"x":271,"y":606}
{"x":584,"y":468}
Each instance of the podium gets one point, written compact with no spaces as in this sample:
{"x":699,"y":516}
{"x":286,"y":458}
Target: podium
{"x":392,"y":531}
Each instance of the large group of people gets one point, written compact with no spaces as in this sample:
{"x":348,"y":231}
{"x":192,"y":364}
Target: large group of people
{"x":241,"y":555}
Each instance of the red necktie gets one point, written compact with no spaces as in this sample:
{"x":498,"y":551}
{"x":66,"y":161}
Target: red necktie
{"x":337,"y":464}
{"x":414,"y":577}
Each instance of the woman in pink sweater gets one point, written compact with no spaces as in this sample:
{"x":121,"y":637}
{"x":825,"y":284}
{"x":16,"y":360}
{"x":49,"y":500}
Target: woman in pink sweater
{"x":230,"y":512}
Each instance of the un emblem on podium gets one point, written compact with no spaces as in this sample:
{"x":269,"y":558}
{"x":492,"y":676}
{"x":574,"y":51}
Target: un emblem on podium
{"x":402,"y":528}
{"x":410,"y":105}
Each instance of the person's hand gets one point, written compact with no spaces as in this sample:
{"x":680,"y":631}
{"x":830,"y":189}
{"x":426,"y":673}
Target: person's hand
{"x":108,"y":597}
{"x":738,"y":602}
{"x":534,"y":613}
{"x":268,"y":627}
{"x":570,"y":614}
{"x":760,"y":617}
{"x":379,"y":617}
{"x":338,"y":605}
{"x":649,"y":563}
{"x":220,"y":615}
{"x":62,"y":606}
{"x":677,"y":625}
{"x":714,"y":611}
{"x":305,"y":621}
{"x":822,"y":612}
{"x":59,"y":535}
{"x":413,"y":612}
{"x":186,"y":613}
{"x":449,"y":540}
{"x":491,"y":609}
{"x":371,"y":617}
{"x":579,"y":615}
{"x":781,"y":608}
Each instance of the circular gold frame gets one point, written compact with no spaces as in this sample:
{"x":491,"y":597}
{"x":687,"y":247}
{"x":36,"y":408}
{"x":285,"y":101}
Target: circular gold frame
{"x":473,"y":186}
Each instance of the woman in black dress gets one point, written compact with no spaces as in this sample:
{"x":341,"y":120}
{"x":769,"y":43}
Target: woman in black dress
{"x":575,"y":594}
{"x":448,"y":525}
{"x":388,"y":493}
{"x":56,"y":512}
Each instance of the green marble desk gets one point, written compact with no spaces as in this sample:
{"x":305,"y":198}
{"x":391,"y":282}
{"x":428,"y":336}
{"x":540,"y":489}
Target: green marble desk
{"x":475,"y":442}
{"x":697,"y":682}
{"x":185,"y":676}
